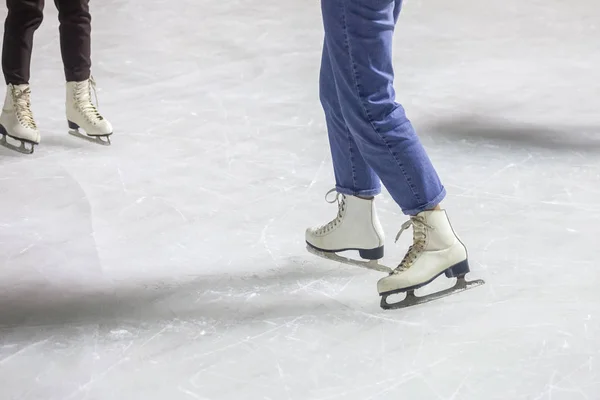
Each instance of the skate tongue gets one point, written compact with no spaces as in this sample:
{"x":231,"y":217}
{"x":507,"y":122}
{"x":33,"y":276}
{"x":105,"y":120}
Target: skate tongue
{"x":23,"y":107}
{"x":418,"y":224}
{"x":83,"y":93}
{"x":419,"y":241}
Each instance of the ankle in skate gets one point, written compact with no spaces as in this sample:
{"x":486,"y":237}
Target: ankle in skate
{"x":83,"y":114}
{"x":16,"y":120}
{"x":436,"y":249}
{"x":356,"y":227}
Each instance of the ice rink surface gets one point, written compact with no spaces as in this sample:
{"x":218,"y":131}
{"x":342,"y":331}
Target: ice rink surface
{"x":171,"y":265}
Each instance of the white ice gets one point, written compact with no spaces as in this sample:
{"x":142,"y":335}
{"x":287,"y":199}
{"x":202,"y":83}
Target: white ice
{"x":171,"y":265}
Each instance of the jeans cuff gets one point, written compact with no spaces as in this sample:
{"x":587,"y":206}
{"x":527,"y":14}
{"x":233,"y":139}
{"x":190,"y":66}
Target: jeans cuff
{"x":428,"y":206}
{"x":363,"y":193}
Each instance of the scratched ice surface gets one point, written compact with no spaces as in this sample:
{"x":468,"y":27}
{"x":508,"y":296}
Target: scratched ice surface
{"x":172,"y":266}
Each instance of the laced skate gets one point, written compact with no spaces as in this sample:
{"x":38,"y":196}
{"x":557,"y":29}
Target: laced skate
{"x":83,"y":114}
{"x":356,"y":227}
{"x":16,"y":120}
{"x":436,"y":250}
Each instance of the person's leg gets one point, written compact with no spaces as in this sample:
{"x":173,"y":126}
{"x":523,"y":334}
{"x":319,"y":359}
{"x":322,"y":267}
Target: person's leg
{"x":16,"y":119}
{"x":359,"y":39}
{"x":356,"y":226}
{"x":23,"y":19}
{"x":75,"y":44}
{"x":75,"y":38}
{"x":352,"y":175}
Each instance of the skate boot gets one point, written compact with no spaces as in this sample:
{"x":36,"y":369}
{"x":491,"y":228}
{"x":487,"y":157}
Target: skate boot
{"x":83,"y":114}
{"x":356,"y":227}
{"x":436,"y":250}
{"x":16,"y":120}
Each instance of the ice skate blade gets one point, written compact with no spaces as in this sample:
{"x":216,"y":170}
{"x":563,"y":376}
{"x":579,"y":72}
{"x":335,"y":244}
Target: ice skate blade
{"x":372,"y":264}
{"x":412,"y":300}
{"x":99,"y":139}
{"x":21,"y":149}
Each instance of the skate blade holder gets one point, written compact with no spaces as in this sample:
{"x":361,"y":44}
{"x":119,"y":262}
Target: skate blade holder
{"x":99,"y":139}
{"x":21,"y":148}
{"x":411,"y":299}
{"x":373,"y":265}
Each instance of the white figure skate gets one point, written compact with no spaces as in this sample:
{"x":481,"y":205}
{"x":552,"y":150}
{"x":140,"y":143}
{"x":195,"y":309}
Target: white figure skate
{"x":82,"y":114}
{"x":436,"y":250}
{"x":16,"y":120}
{"x":356,"y":227}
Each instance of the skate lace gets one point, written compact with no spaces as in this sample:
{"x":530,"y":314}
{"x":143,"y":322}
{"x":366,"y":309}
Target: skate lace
{"x":419,"y":241}
{"x":22,"y":102}
{"x":83,"y":96}
{"x":341,"y":200}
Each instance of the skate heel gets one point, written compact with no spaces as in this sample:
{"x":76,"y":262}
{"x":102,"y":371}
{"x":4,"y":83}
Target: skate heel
{"x":73,"y":125}
{"x":458,"y":270}
{"x":371,"y":254}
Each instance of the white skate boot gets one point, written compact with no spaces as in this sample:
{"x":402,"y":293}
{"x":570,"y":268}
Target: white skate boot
{"x":83,"y":114}
{"x":356,"y":227}
{"x":436,"y":250}
{"x":16,"y":120}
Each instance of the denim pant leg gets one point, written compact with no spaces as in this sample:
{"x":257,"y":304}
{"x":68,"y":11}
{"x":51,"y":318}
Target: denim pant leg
{"x":359,"y":34}
{"x":352,"y":174}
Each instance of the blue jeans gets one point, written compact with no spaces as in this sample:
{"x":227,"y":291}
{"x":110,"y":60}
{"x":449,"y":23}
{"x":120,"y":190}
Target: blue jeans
{"x":369,"y":134}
